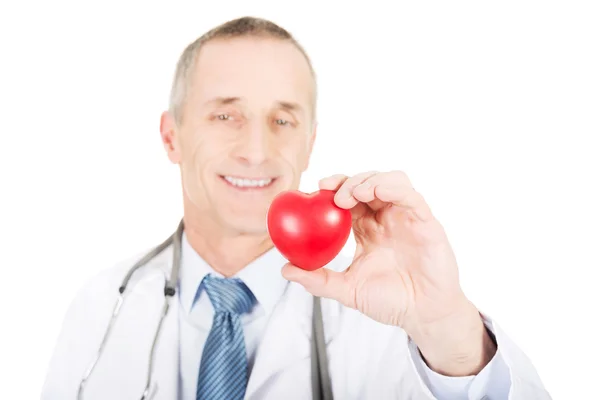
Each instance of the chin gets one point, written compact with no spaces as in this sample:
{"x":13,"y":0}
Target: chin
{"x":244,"y":217}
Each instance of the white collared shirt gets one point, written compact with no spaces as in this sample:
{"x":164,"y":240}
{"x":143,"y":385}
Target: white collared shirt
{"x":263,"y":277}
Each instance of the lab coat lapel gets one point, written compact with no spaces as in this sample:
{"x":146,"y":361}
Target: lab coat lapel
{"x":286,"y":339}
{"x":141,"y":314}
{"x":121,"y":371}
{"x":166,"y":363}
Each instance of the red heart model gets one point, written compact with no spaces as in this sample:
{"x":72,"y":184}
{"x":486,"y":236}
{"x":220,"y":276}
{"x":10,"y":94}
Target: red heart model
{"x":308,"y":229}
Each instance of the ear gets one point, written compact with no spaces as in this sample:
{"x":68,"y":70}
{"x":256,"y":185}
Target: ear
{"x":168,"y":130}
{"x":311,"y":144}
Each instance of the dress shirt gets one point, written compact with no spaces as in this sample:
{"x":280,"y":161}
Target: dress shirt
{"x":263,"y":277}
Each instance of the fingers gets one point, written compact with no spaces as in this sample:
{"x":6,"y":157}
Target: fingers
{"x":368,"y":189}
{"x":395,"y":188}
{"x":365,"y":192}
{"x":322,"y":282}
{"x":407,"y":198}
{"x":333,"y":182}
{"x":344,"y":198}
{"x":378,"y":189}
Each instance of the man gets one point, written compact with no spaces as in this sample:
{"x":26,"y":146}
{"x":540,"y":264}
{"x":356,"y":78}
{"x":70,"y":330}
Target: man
{"x":241,"y":126}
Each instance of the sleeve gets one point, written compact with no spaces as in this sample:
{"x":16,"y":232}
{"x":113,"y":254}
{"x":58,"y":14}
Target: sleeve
{"x":508,"y":376}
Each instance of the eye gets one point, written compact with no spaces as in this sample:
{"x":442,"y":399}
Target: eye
{"x":224,"y":117}
{"x":282,"y":122}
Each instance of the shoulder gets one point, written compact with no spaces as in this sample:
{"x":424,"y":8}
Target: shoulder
{"x":83,"y":326}
{"x":93,"y":304}
{"x":106,"y":283}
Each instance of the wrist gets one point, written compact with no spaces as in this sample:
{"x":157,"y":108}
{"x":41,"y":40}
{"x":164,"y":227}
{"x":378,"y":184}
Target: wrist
{"x":457,"y":345}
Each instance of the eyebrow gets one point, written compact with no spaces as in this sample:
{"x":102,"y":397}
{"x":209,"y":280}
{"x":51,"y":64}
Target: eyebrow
{"x":285,"y":105}
{"x":223,"y":100}
{"x":292,"y":107}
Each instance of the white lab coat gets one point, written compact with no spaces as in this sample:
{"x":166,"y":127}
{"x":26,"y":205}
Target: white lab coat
{"x":367,"y":360}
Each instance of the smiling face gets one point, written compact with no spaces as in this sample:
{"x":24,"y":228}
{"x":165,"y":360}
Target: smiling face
{"x":246,"y":131}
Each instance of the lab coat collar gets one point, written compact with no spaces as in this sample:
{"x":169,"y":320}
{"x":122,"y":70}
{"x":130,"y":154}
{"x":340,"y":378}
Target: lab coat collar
{"x":121,"y":371}
{"x":262,"y":276}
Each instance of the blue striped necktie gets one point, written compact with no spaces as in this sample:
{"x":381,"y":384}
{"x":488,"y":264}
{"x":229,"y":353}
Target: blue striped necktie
{"x":223,"y":371}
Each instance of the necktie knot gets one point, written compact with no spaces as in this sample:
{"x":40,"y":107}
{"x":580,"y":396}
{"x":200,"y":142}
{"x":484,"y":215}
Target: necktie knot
{"x":228,"y":295}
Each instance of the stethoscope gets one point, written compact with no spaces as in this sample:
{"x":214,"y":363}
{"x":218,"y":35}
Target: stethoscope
{"x":320,"y":380}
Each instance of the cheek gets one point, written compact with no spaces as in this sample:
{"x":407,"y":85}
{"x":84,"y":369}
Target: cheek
{"x":296,"y":152}
{"x":197,"y":157}
{"x":198,"y":150}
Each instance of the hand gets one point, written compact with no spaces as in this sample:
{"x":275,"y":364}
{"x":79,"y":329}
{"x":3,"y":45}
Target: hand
{"x":404,"y":272}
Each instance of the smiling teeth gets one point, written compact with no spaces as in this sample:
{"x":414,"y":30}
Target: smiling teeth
{"x":247,"y":183}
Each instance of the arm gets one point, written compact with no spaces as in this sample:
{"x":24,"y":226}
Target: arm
{"x":456,"y":345}
{"x":509,"y":374}
{"x":405,"y":274}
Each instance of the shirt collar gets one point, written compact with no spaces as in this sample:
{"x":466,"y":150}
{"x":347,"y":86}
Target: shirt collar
{"x":262,"y":276}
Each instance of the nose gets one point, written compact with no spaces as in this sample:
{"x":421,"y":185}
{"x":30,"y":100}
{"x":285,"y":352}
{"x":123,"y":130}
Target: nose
{"x":255,"y":145}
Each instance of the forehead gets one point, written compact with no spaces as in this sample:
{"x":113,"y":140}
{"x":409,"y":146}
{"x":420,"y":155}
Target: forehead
{"x":258,"y":70}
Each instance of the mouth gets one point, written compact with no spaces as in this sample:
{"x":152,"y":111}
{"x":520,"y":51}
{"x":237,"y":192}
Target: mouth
{"x":248,"y":184}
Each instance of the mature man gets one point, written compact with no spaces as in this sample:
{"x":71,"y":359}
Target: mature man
{"x":241,"y":320}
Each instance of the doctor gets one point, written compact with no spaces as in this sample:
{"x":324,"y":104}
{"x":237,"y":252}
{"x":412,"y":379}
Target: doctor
{"x":239,"y":322}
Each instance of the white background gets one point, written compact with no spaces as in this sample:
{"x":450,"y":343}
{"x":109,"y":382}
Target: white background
{"x":492,"y":109}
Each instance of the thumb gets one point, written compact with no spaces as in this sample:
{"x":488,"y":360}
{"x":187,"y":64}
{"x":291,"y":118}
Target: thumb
{"x":322,"y":282}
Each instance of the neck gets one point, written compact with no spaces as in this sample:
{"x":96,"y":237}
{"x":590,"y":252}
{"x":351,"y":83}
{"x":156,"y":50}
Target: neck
{"x":226,"y":252}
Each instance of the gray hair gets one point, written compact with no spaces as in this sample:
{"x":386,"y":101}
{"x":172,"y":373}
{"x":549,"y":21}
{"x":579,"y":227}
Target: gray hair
{"x":241,"y":27}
